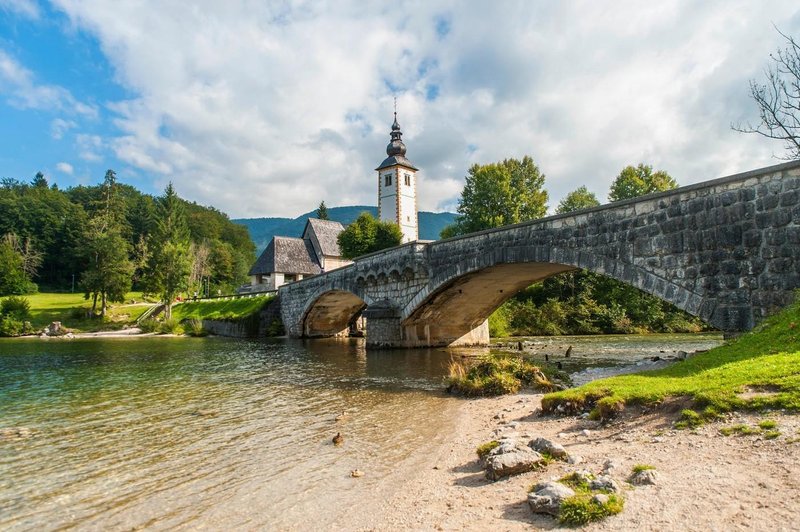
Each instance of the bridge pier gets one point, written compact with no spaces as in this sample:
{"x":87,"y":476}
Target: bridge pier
{"x":386,"y":330}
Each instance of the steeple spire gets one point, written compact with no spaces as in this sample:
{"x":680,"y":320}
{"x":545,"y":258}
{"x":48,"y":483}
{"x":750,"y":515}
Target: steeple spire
{"x":396,"y":146}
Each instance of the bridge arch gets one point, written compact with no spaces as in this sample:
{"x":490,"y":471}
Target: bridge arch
{"x":330,"y":312}
{"x":462,"y":296}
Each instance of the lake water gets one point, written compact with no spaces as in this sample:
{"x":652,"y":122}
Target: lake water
{"x":216,"y":433}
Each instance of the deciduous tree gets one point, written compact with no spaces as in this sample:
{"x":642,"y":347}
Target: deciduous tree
{"x":580,"y":198}
{"x":635,"y":181}
{"x":367,"y":235}
{"x":498,"y":194}
{"x":778,"y":99}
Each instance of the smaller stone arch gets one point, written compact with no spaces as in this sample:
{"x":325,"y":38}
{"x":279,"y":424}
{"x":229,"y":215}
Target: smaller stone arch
{"x":330,"y":313}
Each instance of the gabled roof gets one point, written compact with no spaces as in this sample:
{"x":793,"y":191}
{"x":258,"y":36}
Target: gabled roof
{"x":327,"y":232}
{"x":287,"y":255}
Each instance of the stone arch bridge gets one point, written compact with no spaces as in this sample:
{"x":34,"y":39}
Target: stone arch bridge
{"x":727,"y":251}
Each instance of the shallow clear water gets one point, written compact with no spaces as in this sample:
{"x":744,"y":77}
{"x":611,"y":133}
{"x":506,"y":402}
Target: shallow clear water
{"x":229,"y":434}
{"x":189,"y":433}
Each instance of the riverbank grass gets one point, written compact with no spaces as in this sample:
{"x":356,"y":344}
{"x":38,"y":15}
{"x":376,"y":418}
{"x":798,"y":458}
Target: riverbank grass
{"x":495,"y":374}
{"x":220,"y":309}
{"x":759,"y":370}
{"x":71,"y":310}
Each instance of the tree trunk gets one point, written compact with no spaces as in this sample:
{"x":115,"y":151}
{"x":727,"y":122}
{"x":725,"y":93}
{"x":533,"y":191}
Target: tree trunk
{"x":103,"y":305}
{"x":94,"y":303}
{"x":168,"y":310}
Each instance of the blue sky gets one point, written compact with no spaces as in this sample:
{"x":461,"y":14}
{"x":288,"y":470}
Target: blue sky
{"x":267,"y":108}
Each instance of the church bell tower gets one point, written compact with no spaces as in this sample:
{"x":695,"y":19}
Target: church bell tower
{"x":397,"y":187}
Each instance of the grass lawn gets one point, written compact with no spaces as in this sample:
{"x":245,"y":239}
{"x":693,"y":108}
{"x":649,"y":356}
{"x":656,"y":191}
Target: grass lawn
{"x":761,"y":369}
{"x":220,"y":309}
{"x":70,"y":310}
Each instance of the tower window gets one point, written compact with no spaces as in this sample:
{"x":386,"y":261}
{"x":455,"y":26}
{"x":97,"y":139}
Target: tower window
{"x":408,"y":180}
{"x":387,"y":180}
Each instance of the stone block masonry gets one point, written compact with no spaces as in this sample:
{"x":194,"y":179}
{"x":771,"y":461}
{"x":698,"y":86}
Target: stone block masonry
{"x":726,"y":250}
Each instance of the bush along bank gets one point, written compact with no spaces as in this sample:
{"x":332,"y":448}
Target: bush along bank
{"x":496,"y":374}
{"x":759,"y":370}
{"x":241,"y":318}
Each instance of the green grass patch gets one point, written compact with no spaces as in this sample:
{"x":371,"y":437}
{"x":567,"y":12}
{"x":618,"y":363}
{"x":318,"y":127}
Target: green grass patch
{"x":583,"y":508}
{"x":577,"y":481}
{"x":740,"y":429}
{"x":771,"y":434}
{"x":71,"y":309}
{"x":230,"y":309}
{"x":767,"y":358}
{"x":638,"y":468}
{"x":768,"y":424}
{"x":495,"y":374}
{"x":485,"y":448}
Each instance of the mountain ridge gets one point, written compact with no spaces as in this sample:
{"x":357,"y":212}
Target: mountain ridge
{"x":263,"y":229}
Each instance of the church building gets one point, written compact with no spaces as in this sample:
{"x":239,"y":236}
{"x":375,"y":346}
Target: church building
{"x":288,"y":259}
{"x":397,"y":187}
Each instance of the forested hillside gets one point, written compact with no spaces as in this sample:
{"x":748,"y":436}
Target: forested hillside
{"x":51,"y":231}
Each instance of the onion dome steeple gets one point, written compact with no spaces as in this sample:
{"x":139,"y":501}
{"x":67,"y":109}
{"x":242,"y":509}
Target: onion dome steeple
{"x":396,"y":146}
{"x":396,"y":149}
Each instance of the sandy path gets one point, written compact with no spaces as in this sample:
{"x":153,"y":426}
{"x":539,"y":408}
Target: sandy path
{"x":707,"y":481}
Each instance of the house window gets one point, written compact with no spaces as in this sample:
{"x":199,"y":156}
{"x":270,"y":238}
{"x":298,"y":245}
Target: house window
{"x":408,"y":180}
{"x":387,"y":180}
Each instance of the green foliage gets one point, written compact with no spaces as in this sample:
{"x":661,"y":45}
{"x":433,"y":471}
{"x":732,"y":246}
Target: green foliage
{"x":498,"y":194}
{"x":485,"y":448}
{"x":689,"y":419}
{"x":579,"y":198}
{"x":771,"y":434}
{"x":638,"y":468}
{"x":768,"y":424}
{"x":194,"y":327}
{"x":322,"y":211}
{"x":367,"y":235}
{"x":170,"y":326}
{"x":495,"y":374}
{"x":149,"y":325}
{"x":584,"y":507}
{"x":275,"y":328}
{"x":13,"y":279}
{"x":231,"y":309}
{"x":18,"y":307}
{"x":11,"y":326}
{"x":637,"y":181}
{"x":714,"y":379}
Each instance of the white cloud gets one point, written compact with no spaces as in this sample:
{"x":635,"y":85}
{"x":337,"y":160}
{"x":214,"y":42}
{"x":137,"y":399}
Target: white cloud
{"x":27,"y":8}
{"x":266,"y":109}
{"x":19,"y":86}
{"x":65,"y":168}
{"x":59,"y":127}
{"x":90,"y":147}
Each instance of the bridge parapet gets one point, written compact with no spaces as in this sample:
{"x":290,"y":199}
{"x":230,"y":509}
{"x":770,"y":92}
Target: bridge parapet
{"x":726,"y":250}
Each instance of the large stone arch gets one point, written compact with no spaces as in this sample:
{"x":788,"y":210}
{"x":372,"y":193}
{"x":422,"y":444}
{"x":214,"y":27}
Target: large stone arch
{"x":460,"y":297}
{"x":330,"y":312}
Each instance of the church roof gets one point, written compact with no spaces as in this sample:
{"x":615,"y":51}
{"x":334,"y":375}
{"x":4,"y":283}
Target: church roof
{"x":395,"y":160}
{"x":327,"y":232}
{"x":286,"y":254}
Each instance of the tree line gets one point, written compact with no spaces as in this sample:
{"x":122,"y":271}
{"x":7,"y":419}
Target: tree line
{"x":109,"y":238}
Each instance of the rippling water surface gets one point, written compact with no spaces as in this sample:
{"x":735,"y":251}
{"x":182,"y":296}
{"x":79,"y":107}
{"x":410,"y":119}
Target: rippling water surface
{"x":207,"y":433}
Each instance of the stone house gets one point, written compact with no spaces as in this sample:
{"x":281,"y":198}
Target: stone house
{"x":287,"y":259}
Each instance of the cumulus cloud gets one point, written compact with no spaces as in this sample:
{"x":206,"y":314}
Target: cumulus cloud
{"x":18,"y":85}
{"x":65,"y":168}
{"x":59,"y":127}
{"x":264,"y":109}
{"x":90,"y":147}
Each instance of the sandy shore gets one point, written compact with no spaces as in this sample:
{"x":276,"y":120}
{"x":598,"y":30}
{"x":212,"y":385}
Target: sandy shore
{"x":706,"y":481}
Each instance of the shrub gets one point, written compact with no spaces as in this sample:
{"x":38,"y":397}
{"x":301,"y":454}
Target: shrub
{"x":10,"y":326}
{"x":194,"y":327}
{"x":19,"y":307}
{"x":275,"y":328}
{"x":149,"y":325}
{"x":495,"y":375}
{"x":170,"y":326}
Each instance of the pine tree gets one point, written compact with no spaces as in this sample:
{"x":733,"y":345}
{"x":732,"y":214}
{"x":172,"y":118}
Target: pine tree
{"x":322,"y":211}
